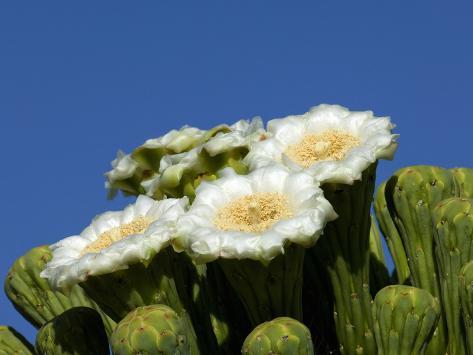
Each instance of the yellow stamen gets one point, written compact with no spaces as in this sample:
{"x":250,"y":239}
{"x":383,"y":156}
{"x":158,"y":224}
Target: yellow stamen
{"x":330,"y":145}
{"x":113,"y":235}
{"x":253,"y":213}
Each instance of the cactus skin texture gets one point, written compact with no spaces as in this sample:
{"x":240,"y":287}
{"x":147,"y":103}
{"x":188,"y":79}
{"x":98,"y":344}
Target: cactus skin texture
{"x":154,"y":329}
{"x":453,"y":222}
{"x":13,"y":343}
{"x":379,"y":274}
{"x":32,"y":296}
{"x":280,"y":336}
{"x":466,"y":297}
{"x":383,"y":206}
{"x":405,"y":318}
{"x":344,"y":251}
{"x":77,"y":331}
{"x":414,"y":192}
{"x":464,"y":181}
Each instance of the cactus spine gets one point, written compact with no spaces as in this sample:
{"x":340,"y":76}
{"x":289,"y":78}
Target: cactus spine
{"x":282,"y":335}
{"x":344,"y":251}
{"x":405,"y":318}
{"x":154,"y":329}
{"x":33,"y":297}
{"x":453,"y":222}
{"x":13,"y":343}
{"x":77,"y":331}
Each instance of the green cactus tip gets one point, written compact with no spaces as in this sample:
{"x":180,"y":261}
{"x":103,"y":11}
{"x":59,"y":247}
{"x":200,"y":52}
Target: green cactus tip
{"x":405,"y":318}
{"x":281,"y":335}
{"x":154,"y":329}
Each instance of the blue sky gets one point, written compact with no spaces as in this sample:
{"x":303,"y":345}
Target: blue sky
{"x":80,"y":80}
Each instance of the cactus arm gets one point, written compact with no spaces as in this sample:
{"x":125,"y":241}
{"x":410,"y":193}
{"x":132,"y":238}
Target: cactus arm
{"x":379,"y":274}
{"x":466,"y":297}
{"x":391,"y":235}
{"x":32,"y":296}
{"x":415,"y":191}
{"x":12,"y":342}
{"x":453,"y":224}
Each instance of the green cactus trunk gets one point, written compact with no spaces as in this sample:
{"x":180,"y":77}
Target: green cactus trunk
{"x":13,"y":343}
{"x":415,"y":191}
{"x":464,"y":181}
{"x":405,"y":318}
{"x":466,"y":298}
{"x":33,"y":297}
{"x":383,"y":206}
{"x":268,"y":291}
{"x":343,"y":249}
{"x":379,"y":274}
{"x":453,"y":223}
{"x":282,"y":335}
{"x":154,"y":329}
{"x":77,"y":331}
{"x":170,"y":278}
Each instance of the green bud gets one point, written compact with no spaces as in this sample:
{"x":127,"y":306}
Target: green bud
{"x":77,"y":331}
{"x":405,"y":318}
{"x":379,"y":274}
{"x":279,"y":336}
{"x":154,"y":329}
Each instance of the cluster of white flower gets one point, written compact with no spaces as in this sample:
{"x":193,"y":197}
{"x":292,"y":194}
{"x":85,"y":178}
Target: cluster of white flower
{"x":251,"y":216}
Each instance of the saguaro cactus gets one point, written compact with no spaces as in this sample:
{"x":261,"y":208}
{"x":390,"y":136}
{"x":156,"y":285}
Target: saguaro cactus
{"x":453,"y":222}
{"x":414,"y":192}
{"x":77,"y":331}
{"x":464,"y":181}
{"x":154,"y":329}
{"x":281,"y":335}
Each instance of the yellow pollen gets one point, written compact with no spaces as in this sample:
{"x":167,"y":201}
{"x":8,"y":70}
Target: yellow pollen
{"x":113,"y":235}
{"x":330,"y":145}
{"x":253,"y":213}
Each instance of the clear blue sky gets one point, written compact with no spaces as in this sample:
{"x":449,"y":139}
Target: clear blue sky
{"x":80,"y":80}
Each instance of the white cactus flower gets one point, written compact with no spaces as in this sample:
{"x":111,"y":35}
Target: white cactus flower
{"x":123,"y":167}
{"x":176,"y":140}
{"x":115,"y":240}
{"x":253,"y":216}
{"x":330,"y":142}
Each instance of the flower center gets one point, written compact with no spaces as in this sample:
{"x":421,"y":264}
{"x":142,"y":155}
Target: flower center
{"x":253,"y":213}
{"x":115,"y":234}
{"x":329,"y":145}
